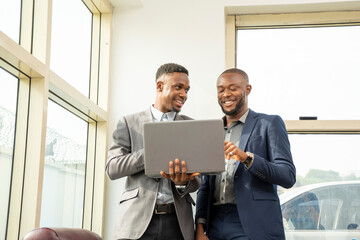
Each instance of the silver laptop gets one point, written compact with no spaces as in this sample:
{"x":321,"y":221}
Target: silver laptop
{"x":200,"y":143}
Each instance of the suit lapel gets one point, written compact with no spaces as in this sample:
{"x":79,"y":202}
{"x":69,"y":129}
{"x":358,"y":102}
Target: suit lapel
{"x":178,"y":117}
{"x":146,"y":116}
{"x":246,"y":132}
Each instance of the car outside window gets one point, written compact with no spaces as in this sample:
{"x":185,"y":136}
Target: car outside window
{"x":322,"y":211}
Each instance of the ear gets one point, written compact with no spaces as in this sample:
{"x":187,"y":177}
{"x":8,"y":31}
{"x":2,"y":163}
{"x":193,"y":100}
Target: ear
{"x":248,"y":89}
{"x":159,"y":86}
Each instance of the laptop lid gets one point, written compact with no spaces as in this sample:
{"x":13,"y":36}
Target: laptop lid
{"x":200,"y":143}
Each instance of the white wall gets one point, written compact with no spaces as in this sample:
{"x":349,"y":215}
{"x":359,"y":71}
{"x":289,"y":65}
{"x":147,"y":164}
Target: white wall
{"x":187,"y":32}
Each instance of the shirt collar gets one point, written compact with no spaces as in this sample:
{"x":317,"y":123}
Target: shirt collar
{"x":242,"y":119}
{"x":157,"y":114}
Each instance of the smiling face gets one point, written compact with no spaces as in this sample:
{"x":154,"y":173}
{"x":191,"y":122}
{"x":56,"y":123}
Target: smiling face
{"x":172,"y":92}
{"x":233,"y":90}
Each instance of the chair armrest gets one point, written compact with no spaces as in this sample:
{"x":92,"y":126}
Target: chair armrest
{"x":61,"y":234}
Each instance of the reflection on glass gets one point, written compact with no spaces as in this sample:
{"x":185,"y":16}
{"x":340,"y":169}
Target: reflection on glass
{"x":326,"y":195}
{"x":8,"y":96}
{"x":10,"y":18}
{"x":71,"y":42}
{"x":300,"y":71}
{"x":319,"y":209}
{"x":303,"y":212}
{"x":64,"y":172}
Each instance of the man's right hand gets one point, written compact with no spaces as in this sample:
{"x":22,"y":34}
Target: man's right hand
{"x":200,"y":234}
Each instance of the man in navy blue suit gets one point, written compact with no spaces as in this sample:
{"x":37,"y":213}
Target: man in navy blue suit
{"x":242,"y":202}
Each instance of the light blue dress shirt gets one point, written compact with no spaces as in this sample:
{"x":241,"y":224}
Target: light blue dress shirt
{"x":164,"y":195}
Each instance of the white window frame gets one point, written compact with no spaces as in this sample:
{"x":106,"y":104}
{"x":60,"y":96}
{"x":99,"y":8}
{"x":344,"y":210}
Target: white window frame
{"x":29,"y":61}
{"x":305,"y":15}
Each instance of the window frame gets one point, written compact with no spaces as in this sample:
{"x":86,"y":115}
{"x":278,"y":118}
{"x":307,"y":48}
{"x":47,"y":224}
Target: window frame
{"x":37,"y":84}
{"x":306,"y":15}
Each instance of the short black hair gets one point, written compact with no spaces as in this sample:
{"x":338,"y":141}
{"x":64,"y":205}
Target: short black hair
{"x":168,"y":68}
{"x":238,"y":71}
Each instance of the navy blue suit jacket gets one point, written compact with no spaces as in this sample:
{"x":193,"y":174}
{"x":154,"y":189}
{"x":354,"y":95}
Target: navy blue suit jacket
{"x":255,"y":189}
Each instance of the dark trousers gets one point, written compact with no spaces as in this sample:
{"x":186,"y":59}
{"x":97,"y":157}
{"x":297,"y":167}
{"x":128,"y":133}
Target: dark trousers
{"x":225,"y":224}
{"x":163,"y":227}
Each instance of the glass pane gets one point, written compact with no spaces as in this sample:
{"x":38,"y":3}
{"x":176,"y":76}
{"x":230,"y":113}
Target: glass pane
{"x":8,"y":97}
{"x":325,"y":157}
{"x":71,"y":42}
{"x":302,"y":71}
{"x":325,"y":201}
{"x":64,"y":171}
{"x":10,"y":18}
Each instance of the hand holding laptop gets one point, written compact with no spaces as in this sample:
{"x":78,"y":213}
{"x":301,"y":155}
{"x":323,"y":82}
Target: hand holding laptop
{"x":177,"y":176}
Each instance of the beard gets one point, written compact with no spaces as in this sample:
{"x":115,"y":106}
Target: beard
{"x":233,"y":111}
{"x":236,"y":109}
{"x":175,"y":110}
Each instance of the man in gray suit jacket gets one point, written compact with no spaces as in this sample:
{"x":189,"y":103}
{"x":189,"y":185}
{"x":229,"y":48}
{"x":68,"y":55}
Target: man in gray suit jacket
{"x":153,"y":208}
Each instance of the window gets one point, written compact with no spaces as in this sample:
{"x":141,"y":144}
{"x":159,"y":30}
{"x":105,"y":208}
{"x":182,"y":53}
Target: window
{"x":71,"y":43}
{"x":27,"y":85}
{"x":64,"y":171}
{"x":10,"y":13}
{"x":309,"y":67}
{"x":8,"y":96}
{"x":298,"y":64}
{"x":325,"y":157}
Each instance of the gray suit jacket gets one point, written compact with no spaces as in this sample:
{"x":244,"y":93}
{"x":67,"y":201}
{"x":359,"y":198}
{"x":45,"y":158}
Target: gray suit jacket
{"x":136,"y":206}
